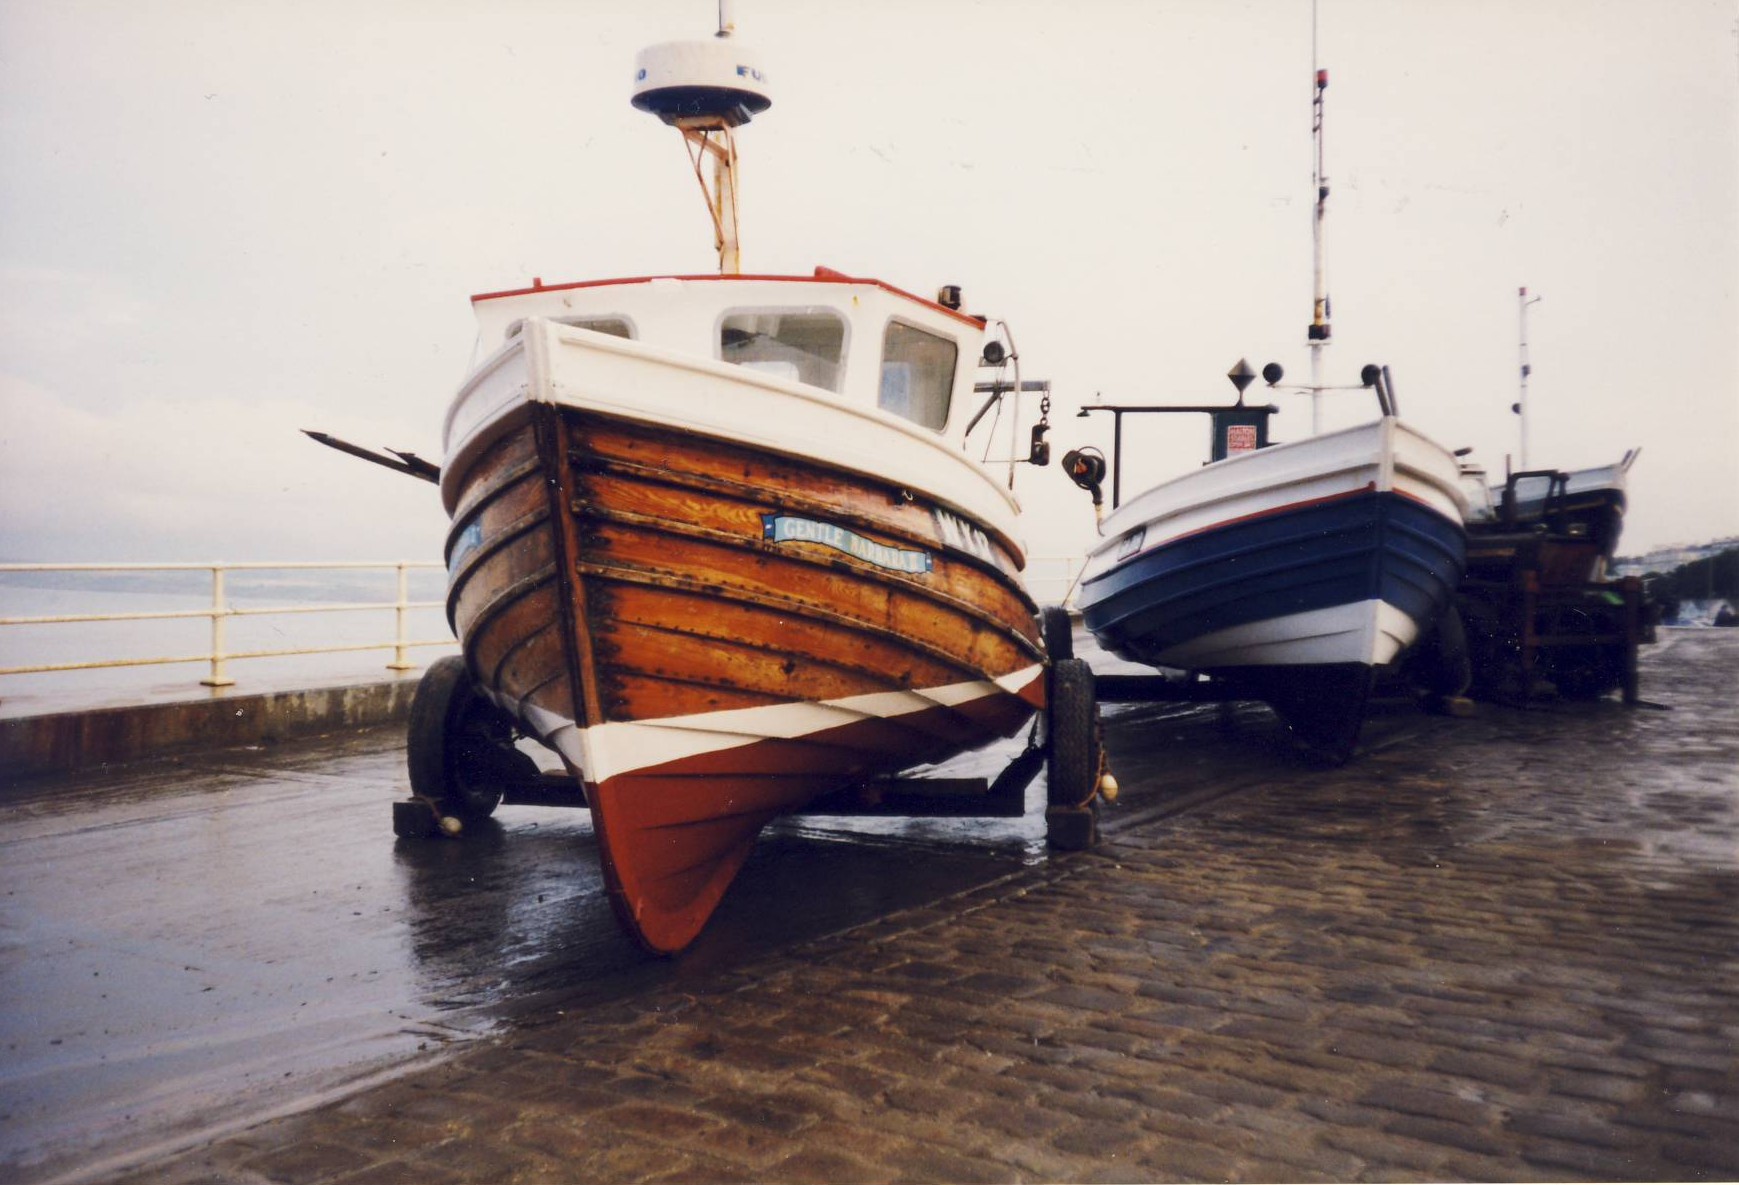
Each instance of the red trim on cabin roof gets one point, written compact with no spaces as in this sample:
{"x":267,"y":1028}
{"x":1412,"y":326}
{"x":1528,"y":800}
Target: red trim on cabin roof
{"x":823,"y":275}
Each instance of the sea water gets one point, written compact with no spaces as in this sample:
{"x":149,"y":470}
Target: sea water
{"x":71,"y":594}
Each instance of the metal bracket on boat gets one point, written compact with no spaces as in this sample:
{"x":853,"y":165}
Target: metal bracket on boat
{"x":1240,"y":413}
{"x":996,"y":389}
{"x":997,"y":358}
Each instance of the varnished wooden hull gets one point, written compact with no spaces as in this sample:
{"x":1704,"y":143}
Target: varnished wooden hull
{"x":712,"y":633}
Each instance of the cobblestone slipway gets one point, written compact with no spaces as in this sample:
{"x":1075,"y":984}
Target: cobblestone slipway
{"x":1506,"y":949}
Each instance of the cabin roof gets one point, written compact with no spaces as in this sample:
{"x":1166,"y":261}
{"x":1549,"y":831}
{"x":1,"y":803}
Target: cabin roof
{"x":822,"y":275}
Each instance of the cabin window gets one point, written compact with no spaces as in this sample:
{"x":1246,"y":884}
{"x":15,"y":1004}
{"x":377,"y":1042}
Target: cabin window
{"x":917,"y":374}
{"x":803,"y":345}
{"x":614,"y":326}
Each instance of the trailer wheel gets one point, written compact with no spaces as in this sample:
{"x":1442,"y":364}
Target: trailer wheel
{"x":459,"y":746}
{"x":1059,"y":633}
{"x":1073,"y":768}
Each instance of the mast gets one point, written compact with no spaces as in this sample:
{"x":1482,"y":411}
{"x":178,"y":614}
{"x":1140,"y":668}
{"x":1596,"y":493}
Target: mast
{"x":706,"y":90}
{"x":1521,"y":407}
{"x":1320,"y":312}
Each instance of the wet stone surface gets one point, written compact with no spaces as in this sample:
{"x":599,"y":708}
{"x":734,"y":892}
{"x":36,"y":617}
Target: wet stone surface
{"x":1497,"y":948}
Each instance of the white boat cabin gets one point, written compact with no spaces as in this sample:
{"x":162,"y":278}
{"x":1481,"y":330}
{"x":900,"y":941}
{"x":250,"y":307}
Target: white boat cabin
{"x":868,"y":342}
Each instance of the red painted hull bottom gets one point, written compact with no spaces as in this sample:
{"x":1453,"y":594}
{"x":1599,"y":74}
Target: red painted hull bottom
{"x":674,"y":836}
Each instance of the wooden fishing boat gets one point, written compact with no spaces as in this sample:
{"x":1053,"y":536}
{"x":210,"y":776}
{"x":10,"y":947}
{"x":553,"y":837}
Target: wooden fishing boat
{"x":715,"y":541}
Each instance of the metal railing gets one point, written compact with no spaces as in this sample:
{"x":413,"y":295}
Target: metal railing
{"x":220,"y":611}
{"x":1049,"y":579}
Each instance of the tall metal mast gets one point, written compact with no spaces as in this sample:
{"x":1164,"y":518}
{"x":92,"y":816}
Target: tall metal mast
{"x":1320,"y":311}
{"x":1523,"y":300}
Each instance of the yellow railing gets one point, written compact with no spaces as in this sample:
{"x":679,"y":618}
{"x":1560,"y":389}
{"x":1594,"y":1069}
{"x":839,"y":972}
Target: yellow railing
{"x":220,"y":611}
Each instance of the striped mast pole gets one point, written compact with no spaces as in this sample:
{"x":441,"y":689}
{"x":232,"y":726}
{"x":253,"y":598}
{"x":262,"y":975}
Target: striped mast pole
{"x":1320,"y":312}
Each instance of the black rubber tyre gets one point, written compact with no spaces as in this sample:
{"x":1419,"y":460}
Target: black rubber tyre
{"x":1073,"y":770}
{"x":458,"y":746}
{"x":1059,"y":632}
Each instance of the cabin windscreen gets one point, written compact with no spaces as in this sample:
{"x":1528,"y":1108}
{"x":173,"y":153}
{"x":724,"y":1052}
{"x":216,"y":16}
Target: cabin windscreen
{"x":803,"y":345}
{"x":917,"y":374}
{"x":614,"y":326}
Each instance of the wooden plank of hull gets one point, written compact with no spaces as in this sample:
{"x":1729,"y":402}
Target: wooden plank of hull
{"x":606,"y":573}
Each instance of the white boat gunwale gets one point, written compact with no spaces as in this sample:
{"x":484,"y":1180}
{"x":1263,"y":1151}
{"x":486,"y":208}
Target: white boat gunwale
{"x":496,"y":397}
{"x":1174,"y":510}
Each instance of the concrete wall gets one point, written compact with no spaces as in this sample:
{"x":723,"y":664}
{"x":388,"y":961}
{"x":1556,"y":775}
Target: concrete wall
{"x":64,"y":742}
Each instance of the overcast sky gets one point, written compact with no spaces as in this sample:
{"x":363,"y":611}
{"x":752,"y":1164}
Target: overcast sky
{"x":225,"y":220}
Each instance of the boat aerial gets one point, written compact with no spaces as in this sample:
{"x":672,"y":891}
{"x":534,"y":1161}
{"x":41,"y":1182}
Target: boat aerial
{"x":1291,"y":573}
{"x":717,"y":542}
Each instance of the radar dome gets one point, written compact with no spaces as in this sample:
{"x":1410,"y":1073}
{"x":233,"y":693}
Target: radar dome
{"x":711,"y":83}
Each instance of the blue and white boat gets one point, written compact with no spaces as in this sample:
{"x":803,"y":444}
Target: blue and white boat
{"x":1292,"y":573}
{"x":1330,"y":552}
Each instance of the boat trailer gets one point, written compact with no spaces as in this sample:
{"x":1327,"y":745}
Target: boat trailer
{"x":1539,"y":615}
{"x":1526,"y":636}
{"x":463,"y":760}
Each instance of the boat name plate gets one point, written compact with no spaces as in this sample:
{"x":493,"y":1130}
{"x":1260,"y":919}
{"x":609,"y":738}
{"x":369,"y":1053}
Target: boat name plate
{"x":788,"y":528}
{"x":469,"y":540}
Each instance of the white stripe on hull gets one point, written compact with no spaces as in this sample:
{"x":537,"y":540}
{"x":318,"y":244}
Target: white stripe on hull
{"x":609,"y":750}
{"x":1371,"y":632}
